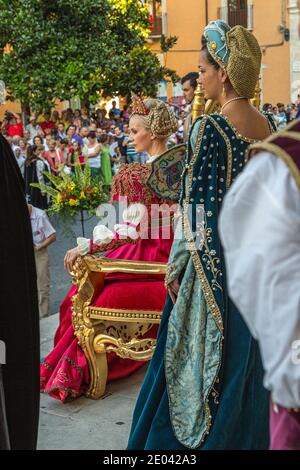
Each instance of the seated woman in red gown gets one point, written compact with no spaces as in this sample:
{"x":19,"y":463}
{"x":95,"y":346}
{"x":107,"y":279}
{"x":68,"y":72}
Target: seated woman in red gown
{"x":143,"y":187}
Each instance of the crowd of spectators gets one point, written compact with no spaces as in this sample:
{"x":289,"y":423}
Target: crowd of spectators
{"x":282,"y":114}
{"x":54,"y":142}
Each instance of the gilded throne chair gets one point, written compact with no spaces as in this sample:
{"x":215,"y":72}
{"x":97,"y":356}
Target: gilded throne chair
{"x":101,"y":330}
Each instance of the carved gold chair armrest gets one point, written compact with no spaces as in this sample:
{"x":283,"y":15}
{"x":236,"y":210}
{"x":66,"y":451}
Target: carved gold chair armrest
{"x":101,"y":330}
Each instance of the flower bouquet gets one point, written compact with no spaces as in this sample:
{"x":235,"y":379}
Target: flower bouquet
{"x":73,"y":193}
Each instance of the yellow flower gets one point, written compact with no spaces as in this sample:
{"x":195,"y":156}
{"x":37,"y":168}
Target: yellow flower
{"x":72,"y":186}
{"x":58,"y":198}
{"x":73,"y":202}
{"x":82,"y":195}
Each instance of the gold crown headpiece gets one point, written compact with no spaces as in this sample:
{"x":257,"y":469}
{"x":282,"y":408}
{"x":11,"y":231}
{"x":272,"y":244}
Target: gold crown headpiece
{"x":138,"y":105}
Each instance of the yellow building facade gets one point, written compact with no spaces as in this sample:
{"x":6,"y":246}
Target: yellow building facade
{"x":268,"y":19}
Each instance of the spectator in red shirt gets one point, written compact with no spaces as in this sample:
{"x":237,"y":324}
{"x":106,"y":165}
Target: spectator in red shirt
{"x":13,"y":124}
{"x":47,"y":124}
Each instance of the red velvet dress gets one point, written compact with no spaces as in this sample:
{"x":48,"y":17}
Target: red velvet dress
{"x":65,"y":372}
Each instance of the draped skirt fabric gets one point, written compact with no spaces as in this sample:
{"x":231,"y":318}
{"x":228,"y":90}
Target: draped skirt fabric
{"x":241,"y":418}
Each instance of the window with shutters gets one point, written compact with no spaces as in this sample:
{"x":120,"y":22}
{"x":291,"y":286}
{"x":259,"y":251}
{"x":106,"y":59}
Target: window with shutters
{"x":238,"y":13}
{"x":155,"y":17}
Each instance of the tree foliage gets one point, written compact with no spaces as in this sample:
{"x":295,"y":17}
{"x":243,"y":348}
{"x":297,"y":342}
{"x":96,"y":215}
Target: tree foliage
{"x":58,"y":49}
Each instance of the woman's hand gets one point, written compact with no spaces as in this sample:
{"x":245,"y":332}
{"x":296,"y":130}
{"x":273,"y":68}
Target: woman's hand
{"x":70,"y":258}
{"x":173,"y":290}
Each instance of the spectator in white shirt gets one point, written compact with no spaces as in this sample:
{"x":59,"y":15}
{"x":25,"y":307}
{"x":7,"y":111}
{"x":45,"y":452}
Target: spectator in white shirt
{"x":33,"y":127}
{"x":20,"y":159}
{"x":43,"y":235}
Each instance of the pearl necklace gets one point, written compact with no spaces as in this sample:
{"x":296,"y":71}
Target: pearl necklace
{"x":230,"y":101}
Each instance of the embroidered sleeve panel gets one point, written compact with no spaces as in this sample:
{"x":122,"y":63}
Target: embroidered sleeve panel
{"x":130,"y":182}
{"x":166,"y":171}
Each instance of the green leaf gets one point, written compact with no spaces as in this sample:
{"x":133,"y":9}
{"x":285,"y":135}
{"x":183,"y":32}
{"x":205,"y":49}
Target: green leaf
{"x":45,"y":189}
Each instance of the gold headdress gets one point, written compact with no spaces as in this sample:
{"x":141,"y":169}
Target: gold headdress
{"x":237,"y":51}
{"x":244,"y":61}
{"x":138,"y":105}
{"x":156,"y":115}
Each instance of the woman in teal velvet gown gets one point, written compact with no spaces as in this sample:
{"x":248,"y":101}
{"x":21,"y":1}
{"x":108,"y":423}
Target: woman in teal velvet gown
{"x":204,"y":386}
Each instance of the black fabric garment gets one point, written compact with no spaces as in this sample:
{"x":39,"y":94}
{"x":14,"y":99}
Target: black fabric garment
{"x":19,"y":315}
{"x":4,"y":437}
{"x":34,"y":195}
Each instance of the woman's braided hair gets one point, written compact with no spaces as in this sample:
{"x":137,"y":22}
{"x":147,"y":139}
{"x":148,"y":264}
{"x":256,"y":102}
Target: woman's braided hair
{"x":160,"y":120}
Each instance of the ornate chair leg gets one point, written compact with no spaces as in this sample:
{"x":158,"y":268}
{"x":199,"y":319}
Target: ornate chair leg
{"x":99,"y":371}
{"x":97,"y":363}
{"x":99,"y":333}
{"x":87,"y":283}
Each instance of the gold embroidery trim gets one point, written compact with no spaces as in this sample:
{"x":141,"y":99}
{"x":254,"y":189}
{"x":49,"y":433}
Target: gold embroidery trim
{"x":283,"y":155}
{"x":170,"y":270}
{"x":240,"y":136}
{"x":209,"y":296}
{"x":229,"y":151}
{"x":207,"y":291}
{"x":243,"y":137}
{"x":210,"y":299}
